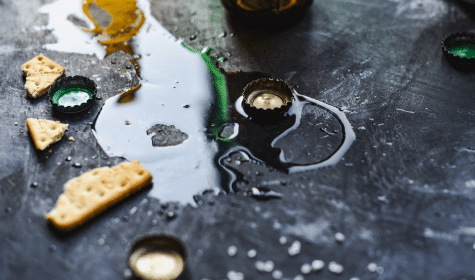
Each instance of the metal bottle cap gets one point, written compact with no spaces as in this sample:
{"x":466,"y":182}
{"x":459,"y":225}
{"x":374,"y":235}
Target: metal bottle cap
{"x":72,"y":94}
{"x":459,"y":49}
{"x":267,"y":97}
{"x":158,"y":257}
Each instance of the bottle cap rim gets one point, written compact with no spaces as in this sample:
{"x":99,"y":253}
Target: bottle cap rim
{"x":459,"y":60}
{"x":72,"y":94}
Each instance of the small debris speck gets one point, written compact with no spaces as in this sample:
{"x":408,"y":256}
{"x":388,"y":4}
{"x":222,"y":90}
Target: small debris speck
{"x":232,"y":250}
{"x":71,"y":139}
{"x":16,"y":123}
{"x":34,"y":184}
{"x":69,"y":158}
{"x":186,"y":106}
{"x":77,"y":164}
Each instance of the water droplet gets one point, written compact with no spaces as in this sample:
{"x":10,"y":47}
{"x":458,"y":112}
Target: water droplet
{"x":372,"y":267}
{"x":335,"y":267}
{"x":277,"y":274}
{"x":77,"y":164}
{"x":251,"y":253}
{"x":127,"y":273}
{"x":232,"y":251}
{"x":125,"y":219}
{"x":8,"y":210}
{"x":354,"y":278}
{"x":211,"y":202}
{"x":268,"y":266}
{"x":233,"y":275}
{"x":260,"y":266}
{"x":164,"y":205}
{"x":192,"y":37}
{"x":318,"y":265}
{"x":171,"y":215}
{"x":306,"y":268}
{"x":34,"y":184}
{"x":282,"y":240}
{"x":294,"y":249}
{"x":380,"y":270}
{"x":154,"y":222}
{"x":128,"y":66}
{"x":52,"y":248}
{"x":298,"y":277}
{"x":69,"y":158}
{"x":339,"y":237}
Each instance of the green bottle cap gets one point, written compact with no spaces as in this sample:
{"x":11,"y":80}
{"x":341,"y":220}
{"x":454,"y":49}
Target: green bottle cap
{"x":265,"y":98}
{"x":459,"y":49}
{"x":72,"y":94}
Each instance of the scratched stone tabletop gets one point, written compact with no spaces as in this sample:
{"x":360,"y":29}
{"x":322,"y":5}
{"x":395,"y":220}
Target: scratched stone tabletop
{"x":397,"y":202}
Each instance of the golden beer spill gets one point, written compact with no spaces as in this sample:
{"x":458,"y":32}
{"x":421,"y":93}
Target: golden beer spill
{"x":126,"y":21}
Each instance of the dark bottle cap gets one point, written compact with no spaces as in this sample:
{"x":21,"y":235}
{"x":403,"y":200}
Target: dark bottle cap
{"x":267,"y":97}
{"x":72,"y":94}
{"x":459,"y":49}
{"x":158,"y":257}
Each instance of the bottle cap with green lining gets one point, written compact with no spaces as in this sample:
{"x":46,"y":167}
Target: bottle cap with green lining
{"x":459,"y":49}
{"x":267,"y":98}
{"x":72,"y":94}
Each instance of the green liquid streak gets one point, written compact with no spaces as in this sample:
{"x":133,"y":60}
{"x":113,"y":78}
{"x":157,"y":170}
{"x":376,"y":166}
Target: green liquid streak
{"x":221,"y":89}
{"x":462,"y":49}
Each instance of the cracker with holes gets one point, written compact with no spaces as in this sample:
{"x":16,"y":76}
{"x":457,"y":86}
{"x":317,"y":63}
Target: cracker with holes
{"x":40,"y":73}
{"x":86,"y":196}
{"x":45,"y":132}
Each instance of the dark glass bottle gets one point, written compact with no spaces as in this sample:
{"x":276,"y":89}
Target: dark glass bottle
{"x":267,"y":13}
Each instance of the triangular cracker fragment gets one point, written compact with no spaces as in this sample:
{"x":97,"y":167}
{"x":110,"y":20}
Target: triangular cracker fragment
{"x":45,"y":132}
{"x":86,"y":196}
{"x":42,"y":64}
{"x":39,"y":84}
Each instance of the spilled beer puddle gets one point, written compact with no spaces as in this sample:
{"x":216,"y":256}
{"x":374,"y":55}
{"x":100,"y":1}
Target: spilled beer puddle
{"x":184,"y":98}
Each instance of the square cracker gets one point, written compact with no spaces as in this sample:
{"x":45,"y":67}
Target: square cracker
{"x":38,"y":85}
{"x":91,"y":193}
{"x":42,"y":64}
{"x":45,"y":132}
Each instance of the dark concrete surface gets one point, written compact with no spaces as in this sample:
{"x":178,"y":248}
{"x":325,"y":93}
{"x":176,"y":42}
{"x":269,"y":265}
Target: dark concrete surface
{"x":403,"y":195}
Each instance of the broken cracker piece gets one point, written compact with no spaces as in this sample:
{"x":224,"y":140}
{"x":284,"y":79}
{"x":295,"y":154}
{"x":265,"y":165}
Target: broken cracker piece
{"x":42,"y":64}
{"x":45,"y":132}
{"x":38,"y":85}
{"x":86,"y":196}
